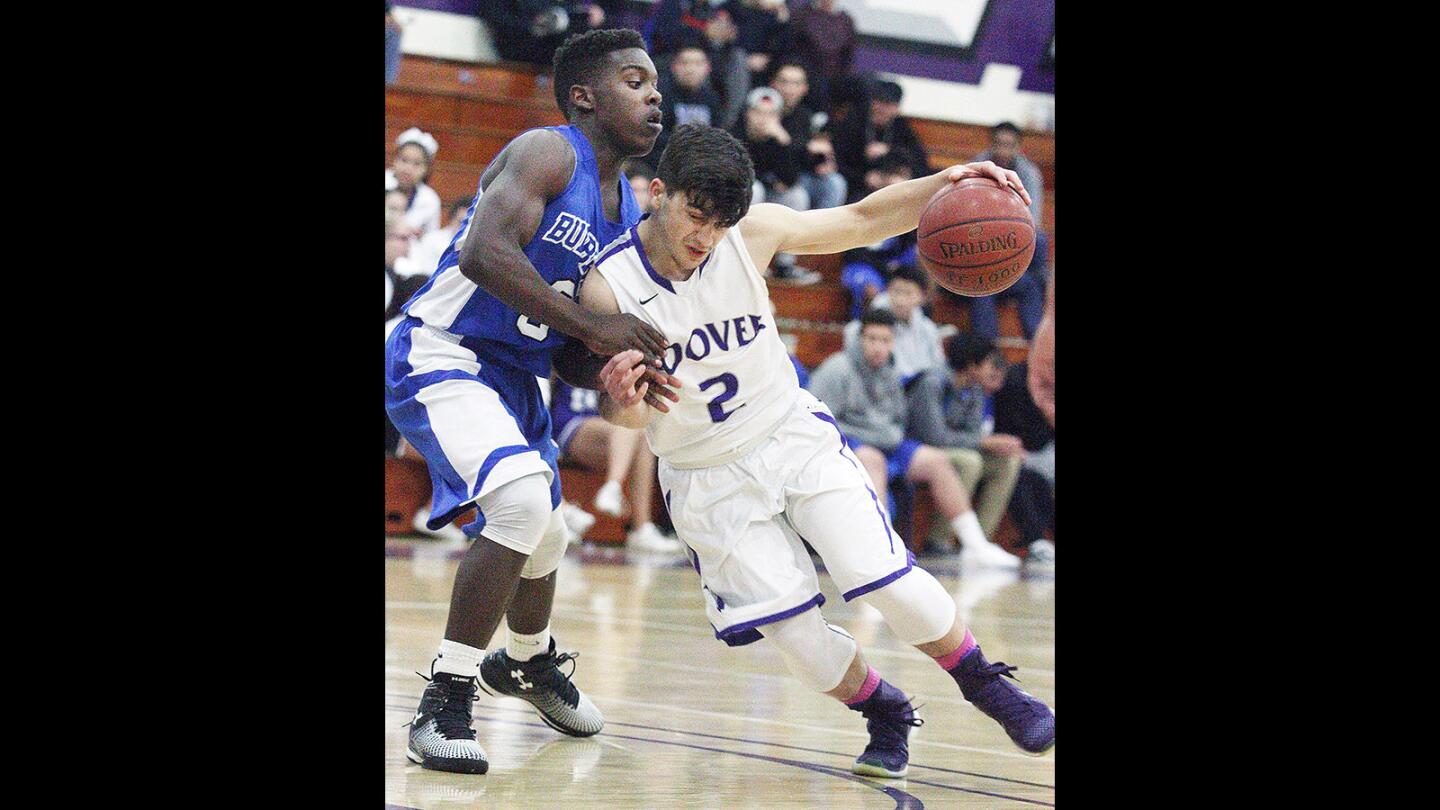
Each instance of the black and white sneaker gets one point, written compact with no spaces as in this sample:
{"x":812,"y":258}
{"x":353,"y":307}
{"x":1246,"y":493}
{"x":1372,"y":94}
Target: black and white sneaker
{"x":540,"y":682}
{"x":440,"y":735}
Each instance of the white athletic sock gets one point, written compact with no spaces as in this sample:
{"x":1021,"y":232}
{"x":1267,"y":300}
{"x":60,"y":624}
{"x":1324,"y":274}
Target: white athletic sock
{"x":967,"y":526}
{"x":458,"y":659}
{"x":523,"y":647}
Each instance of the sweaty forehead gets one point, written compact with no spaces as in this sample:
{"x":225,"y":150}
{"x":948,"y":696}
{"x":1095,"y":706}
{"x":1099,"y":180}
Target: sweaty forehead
{"x":634,"y":59}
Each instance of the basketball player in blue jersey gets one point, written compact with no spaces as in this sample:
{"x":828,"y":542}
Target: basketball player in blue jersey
{"x":751,"y":464}
{"x":461,"y":384}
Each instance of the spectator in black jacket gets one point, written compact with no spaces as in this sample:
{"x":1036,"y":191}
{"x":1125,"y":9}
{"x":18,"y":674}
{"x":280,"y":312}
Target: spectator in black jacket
{"x":777,"y":167}
{"x":531,"y":30}
{"x":686,"y":96}
{"x":861,"y":140}
{"x":820,"y":176}
{"x":711,"y":26}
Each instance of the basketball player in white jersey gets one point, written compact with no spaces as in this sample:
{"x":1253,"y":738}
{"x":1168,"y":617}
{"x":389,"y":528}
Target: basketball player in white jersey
{"x":751,"y":464}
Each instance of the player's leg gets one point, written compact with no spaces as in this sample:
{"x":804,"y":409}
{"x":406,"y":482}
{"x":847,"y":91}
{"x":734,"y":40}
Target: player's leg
{"x":924,"y":615}
{"x":826,"y":658}
{"x":528,"y":666}
{"x":931,"y":466}
{"x":868,"y":563}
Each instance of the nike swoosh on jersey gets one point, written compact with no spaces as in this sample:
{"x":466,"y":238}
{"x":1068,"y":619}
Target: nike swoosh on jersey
{"x":648,"y":300}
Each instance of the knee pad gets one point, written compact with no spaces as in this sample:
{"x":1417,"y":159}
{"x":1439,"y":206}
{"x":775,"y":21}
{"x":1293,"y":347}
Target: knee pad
{"x":916,"y":607}
{"x":517,"y":513}
{"x":546,"y":557}
{"x":815,"y":651}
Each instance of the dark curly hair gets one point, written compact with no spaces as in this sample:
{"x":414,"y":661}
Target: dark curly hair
{"x":713,"y":168}
{"x":968,"y":349}
{"x":577,"y":61}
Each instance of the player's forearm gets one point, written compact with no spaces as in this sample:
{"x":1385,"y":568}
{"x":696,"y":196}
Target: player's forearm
{"x":503,"y":270}
{"x":893,"y":210}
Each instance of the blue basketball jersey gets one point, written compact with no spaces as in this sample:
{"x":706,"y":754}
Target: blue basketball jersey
{"x":571,"y":233}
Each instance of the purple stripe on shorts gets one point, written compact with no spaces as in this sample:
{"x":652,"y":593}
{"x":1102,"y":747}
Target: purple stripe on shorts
{"x":879,"y":583}
{"x":884,"y":524}
{"x":745,"y":632}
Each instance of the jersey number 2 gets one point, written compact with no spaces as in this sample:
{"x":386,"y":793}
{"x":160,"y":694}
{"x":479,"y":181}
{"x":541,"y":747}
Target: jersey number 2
{"x":732,"y":387}
{"x":536,"y":330}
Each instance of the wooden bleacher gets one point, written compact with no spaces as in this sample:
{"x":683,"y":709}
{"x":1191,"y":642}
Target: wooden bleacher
{"x":473,"y":110}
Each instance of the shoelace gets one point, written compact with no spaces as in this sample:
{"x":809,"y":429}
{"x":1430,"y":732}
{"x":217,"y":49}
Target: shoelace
{"x":1014,"y":703}
{"x":452,"y":718}
{"x":548,"y":672}
{"x":888,"y":728}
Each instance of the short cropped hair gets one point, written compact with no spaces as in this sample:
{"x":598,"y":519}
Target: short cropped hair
{"x":969,"y":349}
{"x":1005,"y":126}
{"x":578,"y":60}
{"x":712,"y":167}
{"x":911,"y":273}
{"x":877,"y":316}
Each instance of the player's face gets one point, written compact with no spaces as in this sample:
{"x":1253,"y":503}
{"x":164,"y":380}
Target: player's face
{"x":686,"y":234}
{"x":627,"y":103}
{"x":410,"y":165}
{"x":876,"y":342}
{"x":905,"y":295}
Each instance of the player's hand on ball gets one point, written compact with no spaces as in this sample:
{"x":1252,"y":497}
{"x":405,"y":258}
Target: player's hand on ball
{"x":985,"y":168}
{"x":628,"y":380}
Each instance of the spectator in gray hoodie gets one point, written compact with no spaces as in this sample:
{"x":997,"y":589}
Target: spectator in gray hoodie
{"x":946,"y":408}
{"x":864,"y":394}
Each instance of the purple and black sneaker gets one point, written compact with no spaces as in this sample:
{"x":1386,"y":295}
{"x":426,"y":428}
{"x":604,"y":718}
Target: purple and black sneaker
{"x":889,"y":718}
{"x":1028,"y":721}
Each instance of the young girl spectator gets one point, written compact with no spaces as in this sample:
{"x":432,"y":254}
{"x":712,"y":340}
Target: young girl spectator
{"x":414,"y":152}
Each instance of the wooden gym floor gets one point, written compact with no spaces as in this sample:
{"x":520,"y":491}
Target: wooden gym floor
{"x":692,"y":723}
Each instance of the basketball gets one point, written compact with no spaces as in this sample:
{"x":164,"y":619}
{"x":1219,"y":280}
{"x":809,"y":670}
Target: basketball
{"x":976,"y":237}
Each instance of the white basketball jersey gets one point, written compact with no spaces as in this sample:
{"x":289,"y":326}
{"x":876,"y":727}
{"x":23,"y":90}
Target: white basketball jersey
{"x":738,"y":383}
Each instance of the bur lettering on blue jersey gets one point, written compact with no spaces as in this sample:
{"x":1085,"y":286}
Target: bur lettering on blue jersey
{"x":713,"y":337}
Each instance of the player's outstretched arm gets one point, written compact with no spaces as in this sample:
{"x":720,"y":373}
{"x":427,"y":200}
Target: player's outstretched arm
{"x":891,"y":211}
{"x":532,"y":171}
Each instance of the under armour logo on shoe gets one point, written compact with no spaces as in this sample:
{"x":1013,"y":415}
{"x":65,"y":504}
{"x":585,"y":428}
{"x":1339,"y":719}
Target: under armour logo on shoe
{"x":518,"y":676}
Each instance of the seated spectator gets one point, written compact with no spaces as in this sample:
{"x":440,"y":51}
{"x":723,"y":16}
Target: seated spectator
{"x":1029,"y":290}
{"x":1032,"y":506}
{"x":531,"y":30}
{"x":686,"y":96}
{"x":398,"y":286}
{"x":707,"y":25}
{"x":865,"y":396}
{"x":414,"y":152}
{"x":917,"y":338}
{"x":946,"y":408}
{"x":777,"y":173}
{"x":586,"y":439}
{"x":867,"y":270}
{"x":862,"y":140}
{"x":819,"y":175}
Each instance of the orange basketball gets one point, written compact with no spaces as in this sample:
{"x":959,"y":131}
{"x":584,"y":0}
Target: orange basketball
{"x":976,"y":237}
